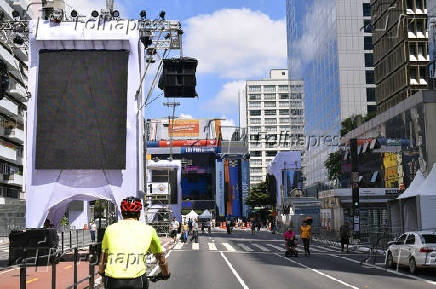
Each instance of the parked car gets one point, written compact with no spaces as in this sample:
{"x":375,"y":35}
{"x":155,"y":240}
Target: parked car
{"x":414,"y":249}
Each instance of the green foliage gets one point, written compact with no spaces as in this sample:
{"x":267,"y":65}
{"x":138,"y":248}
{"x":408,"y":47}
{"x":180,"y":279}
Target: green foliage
{"x":259,"y":196}
{"x":348,"y":125}
{"x":334,"y":165}
{"x":64,"y":221}
{"x":354,"y":121}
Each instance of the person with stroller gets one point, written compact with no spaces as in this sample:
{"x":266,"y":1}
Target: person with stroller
{"x":290,"y":243}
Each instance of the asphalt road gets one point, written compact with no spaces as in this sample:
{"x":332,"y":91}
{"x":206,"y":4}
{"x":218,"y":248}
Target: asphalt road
{"x":241,"y":260}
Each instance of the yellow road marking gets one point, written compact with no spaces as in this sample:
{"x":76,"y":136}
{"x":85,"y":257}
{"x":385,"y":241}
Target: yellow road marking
{"x":31,"y":280}
{"x":68,"y":267}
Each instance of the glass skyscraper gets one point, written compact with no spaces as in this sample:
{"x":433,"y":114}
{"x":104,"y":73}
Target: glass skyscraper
{"x":330,"y":48}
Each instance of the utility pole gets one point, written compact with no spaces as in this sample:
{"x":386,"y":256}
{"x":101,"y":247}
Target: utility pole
{"x":355,"y":188}
{"x":171,"y":118}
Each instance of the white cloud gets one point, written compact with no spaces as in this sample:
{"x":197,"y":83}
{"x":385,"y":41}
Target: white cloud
{"x":186,"y":116}
{"x":319,"y":17}
{"x":227,"y":98}
{"x":236,"y":43}
{"x":228,"y":126}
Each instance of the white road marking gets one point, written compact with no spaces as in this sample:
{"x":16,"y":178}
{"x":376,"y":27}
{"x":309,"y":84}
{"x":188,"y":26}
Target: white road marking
{"x":246,"y":248}
{"x":229,"y":247}
{"x":319,"y":272}
{"x":264,"y":249}
{"x":324,"y":248}
{"x":2,"y":272}
{"x":157,"y":266}
{"x":281,"y":249}
{"x":178,"y":246}
{"x":234,"y":271}
{"x":311,"y":248}
{"x":387,"y":270}
{"x":212,"y":247}
{"x":195,"y":246}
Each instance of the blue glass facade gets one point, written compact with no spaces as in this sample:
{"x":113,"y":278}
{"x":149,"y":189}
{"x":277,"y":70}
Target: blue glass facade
{"x":320,"y":71}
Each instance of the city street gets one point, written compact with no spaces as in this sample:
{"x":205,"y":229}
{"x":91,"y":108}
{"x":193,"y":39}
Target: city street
{"x":243,"y":261}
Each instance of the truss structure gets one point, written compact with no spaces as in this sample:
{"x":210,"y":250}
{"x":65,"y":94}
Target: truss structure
{"x":13,"y":30}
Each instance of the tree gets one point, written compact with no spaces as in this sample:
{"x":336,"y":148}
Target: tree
{"x":259,"y":196}
{"x":334,"y":165}
{"x":348,"y":125}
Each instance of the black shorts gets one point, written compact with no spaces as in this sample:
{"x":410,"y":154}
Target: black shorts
{"x":136,"y":283}
{"x":345,"y":241}
{"x":173,"y":233}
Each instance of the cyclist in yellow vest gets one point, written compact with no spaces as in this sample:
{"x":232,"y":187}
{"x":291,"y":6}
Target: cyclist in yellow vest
{"x":124,"y":248}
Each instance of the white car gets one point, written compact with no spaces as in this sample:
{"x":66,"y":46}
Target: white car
{"x":415,"y":249}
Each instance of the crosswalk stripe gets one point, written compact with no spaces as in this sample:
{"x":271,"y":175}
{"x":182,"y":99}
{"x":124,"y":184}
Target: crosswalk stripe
{"x":324,"y":248}
{"x":261,"y":247}
{"x":228,"y":247}
{"x":195,"y":246}
{"x":246,"y":248}
{"x":178,"y":246}
{"x":212,"y":247}
{"x":315,"y":250}
{"x":281,"y":249}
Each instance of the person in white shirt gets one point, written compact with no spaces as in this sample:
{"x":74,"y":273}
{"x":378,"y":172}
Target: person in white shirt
{"x":195,"y":230}
{"x":174,"y":226}
{"x":92,"y":230}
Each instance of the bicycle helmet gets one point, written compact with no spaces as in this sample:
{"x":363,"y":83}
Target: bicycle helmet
{"x":131,"y":205}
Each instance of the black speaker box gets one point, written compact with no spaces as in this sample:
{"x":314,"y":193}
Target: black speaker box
{"x":178,"y":77}
{"x":37,"y":246}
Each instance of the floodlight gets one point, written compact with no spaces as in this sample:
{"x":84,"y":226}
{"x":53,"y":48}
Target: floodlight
{"x":94,"y":14}
{"x":162,"y":15}
{"x":74,"y":13}
{"x":115,"y":13}
{"x":143,"y":14}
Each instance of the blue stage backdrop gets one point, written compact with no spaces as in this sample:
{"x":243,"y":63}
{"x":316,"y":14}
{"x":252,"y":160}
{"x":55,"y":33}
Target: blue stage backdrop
{"x":219,"y":188}
{"x":234,"y":184}
{"x":245,"y":175}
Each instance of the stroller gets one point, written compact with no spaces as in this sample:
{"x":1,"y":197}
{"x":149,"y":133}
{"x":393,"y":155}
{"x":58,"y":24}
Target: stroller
{"x":292,"y":249}
{"x":291,"y":243}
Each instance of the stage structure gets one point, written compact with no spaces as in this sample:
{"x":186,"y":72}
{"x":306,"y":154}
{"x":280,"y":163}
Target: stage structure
{"x":83,"y":72}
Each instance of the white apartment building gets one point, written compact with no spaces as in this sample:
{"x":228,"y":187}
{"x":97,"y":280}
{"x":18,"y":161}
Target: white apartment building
{"x":275,"y":119}
{"x":13,"y":63}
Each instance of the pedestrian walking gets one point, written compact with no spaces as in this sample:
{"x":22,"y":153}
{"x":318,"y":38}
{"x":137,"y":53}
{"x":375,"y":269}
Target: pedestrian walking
{"x":92,"y":230}
{"x":253,"y":227}
{"x":185,"y":231}
{"x":190,"y":226}
{"x":174,"y":228}
{"x":345,"y":236}
{"x":305,"y":237}
{"x":195,"y":231}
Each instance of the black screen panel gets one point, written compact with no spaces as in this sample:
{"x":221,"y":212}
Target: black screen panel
{"x":82,"y":109}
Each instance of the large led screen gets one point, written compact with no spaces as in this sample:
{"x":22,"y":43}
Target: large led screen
{"x":81,"y":109}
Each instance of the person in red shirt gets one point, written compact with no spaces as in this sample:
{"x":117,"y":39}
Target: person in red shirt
{"x":290,"y":242}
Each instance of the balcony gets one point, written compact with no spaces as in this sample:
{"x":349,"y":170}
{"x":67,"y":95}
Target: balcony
{"x":8,"y":153}
{"x":8,"y":107}
{"x":12,"y":63}
{"x":17,"y":91}
{"x":13,"y":179}
{"x":15,"y":134}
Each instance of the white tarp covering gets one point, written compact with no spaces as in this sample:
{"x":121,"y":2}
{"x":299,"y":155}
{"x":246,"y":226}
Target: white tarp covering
{"x":206,"y":215}
{"x":412,"y":191}
{"x":48,"y":192}
{"x":191,"y":215}
{"x":428,"y":187}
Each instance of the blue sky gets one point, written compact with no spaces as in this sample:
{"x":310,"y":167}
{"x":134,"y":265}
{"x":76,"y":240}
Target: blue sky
{"x":233,"y":40}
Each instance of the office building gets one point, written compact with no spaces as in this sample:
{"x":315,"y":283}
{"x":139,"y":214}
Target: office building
{"x":13,"y":96}
{"x":330,"y":48}
{"x":275,"y":119}
{"x":400,"y":50}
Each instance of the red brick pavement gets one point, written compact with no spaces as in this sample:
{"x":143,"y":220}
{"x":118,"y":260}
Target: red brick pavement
{"x":40,"y":277}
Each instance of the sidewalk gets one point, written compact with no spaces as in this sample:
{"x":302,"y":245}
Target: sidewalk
{"x":41,"y":277}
